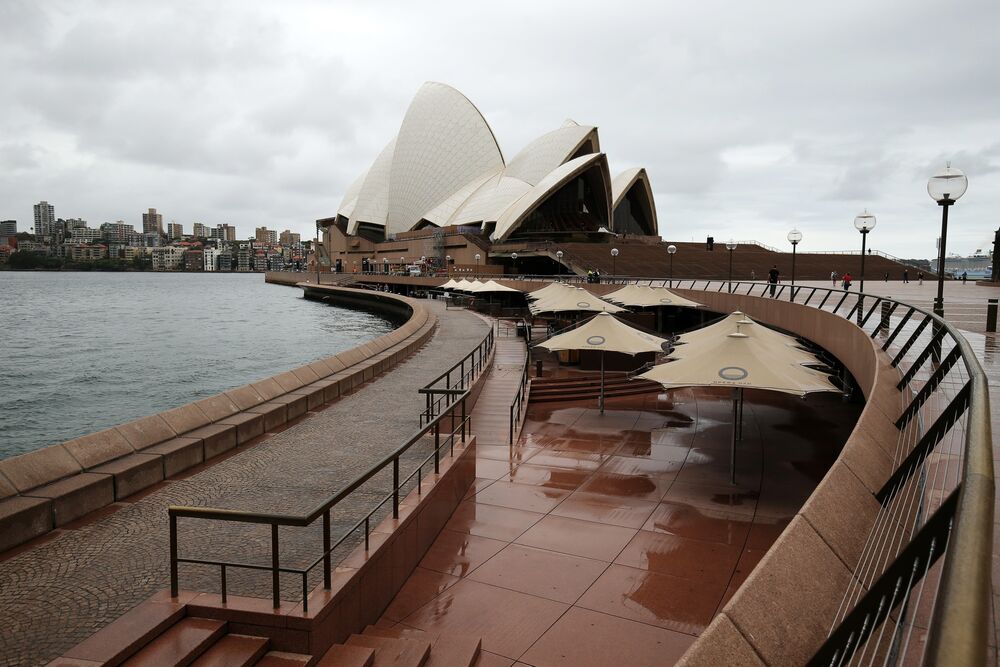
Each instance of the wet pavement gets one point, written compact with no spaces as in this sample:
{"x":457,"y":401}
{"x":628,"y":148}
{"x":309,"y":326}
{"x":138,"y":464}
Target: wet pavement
{"x":615,"y":538}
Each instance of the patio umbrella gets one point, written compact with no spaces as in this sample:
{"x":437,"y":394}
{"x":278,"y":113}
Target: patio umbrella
{"x":644,"y":296}
{"x":606,"y":333}
{"x":740,"y":353}
{"x":492,"y":286}
{"x":451,"y":284}
{"x":566,"y":298}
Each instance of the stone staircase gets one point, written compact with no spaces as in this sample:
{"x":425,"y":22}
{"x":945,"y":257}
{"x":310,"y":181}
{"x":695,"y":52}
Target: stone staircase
{"x":576,"y":388}
{"x":161,"y":635}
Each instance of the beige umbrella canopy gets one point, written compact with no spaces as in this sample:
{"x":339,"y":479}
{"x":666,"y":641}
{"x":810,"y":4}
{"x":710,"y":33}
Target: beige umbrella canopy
{"x":740,"y":353}
{"x":464,"y":285}
{"x":451,"y":284}
{"x":606,"y":333}
{"x":491,"y":286}
{"x":566,"y":298}
{"x":644,"y":296}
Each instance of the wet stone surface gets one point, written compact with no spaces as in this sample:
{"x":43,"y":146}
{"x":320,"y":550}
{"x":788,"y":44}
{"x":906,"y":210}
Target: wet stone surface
{"x":56,"y":594}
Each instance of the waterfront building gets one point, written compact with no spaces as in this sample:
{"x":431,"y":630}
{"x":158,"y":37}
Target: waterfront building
{"x":199,"y":230}
{"x":167,"y":258}
{"x":289,"y":238}
{"x":117,"y":232}
{"x":152,"y":222}
{"x":210,"y":259}
{"x":224,"y":261}
{"x":122,"y":252}
{"x":194,"y":259}
{"x":265,"y":235}
{"x":87,"y":253}
{"x":152,"y":239}
{"x":175,"y":230}
{"x":45,"y":217}
{"x":8,"y":228}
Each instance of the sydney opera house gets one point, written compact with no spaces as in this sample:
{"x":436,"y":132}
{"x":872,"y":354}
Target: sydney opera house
{"x":445,"y":175}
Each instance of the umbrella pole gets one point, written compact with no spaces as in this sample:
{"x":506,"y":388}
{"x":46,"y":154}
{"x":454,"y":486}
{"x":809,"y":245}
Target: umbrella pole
{"x":601,"y":401}
{"x":740,"y":390}
{"x":732,"y":444}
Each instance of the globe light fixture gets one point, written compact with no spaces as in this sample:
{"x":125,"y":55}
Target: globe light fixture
{"x":478,"y":257}
{"x":671,"y":250}
{"x":559,"y":256}
{"x":513,"y":256}
{"x":730,"y":246}
{"x":794,"y":237}
{"x":614,"y":254}
{"x":864,"y":222}
{"x":945,"y":187}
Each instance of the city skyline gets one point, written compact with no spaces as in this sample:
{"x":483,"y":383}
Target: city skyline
{"x":747,"y":126}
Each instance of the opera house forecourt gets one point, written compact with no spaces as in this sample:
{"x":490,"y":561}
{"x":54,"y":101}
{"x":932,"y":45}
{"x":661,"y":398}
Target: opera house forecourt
{"x":570,"y":451}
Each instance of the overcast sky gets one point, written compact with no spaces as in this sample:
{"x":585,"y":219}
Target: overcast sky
{"x":751,"y":118}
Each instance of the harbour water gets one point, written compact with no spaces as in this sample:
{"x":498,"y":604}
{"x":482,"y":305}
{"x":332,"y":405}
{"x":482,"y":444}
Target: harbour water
{"x":85,"y":351}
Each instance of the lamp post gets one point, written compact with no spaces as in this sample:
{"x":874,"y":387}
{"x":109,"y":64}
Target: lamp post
{"x":730,"y":246}
{"x":316,"y":252}
{"x":447,"y":264}
{"x":945,"y":187}
{"x":478,"y":257}
{"x":385,"y":262}
{"x":864,"y":223}
{"x":513,"y":256}
{"x":559,"y":256}
{"x":614,"y":253}
{"x":794,"y":237}
{"x":671,"y":250}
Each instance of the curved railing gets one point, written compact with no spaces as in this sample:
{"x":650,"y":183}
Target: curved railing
{"x":450,"y":420}
{"x":938,"y":501}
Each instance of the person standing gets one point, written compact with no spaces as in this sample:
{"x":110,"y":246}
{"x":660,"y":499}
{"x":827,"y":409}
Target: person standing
{"x":772,"y":278}
{"x":847,"y":280}
{"x":906,"y":276}
{"x":885,"y":278}
{"x":920,"y":278}
{"x":753,"y":275}
{"x":965,"y":276}
{"x":833,"y":278}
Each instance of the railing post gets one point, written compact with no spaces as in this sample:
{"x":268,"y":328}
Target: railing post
{"x":395,"y":487}
{"x":275,"y":564}
{"x":326,"y":550}
{"x":437,"y":447}
{"x":461,"y":373}
{"x":173,"y":555}
{"x":991,"y":315}
{"x":463,"y":419}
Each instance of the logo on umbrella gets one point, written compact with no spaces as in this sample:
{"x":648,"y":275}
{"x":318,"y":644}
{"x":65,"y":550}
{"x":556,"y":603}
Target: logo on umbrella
{"x":733,"y":373}
{"x":595,"y":340}
{"x":666,"y":300}
{"x":583,"y":304}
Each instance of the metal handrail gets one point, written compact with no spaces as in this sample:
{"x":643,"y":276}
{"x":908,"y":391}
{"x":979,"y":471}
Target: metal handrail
{"x":455,"y":411}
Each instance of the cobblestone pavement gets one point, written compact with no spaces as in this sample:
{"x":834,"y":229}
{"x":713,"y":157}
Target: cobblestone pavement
{"x":58,"y":593}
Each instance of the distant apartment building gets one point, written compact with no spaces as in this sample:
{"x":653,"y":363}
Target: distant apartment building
{"x":152,"y":222}
{"x":45,"y":218}
{"x":199,"y":230}
{"x":210,"y":259}
{"x":225,"y":232}
{"x":175,"y":230}
{"x":265,"y":235}
{"x":152,"y":240}
{"x":73,"y":223}
{"x":85,"y":235}
{"x":288,"y":237}
{"x":125,"y":253}
{"x":87,"y":253}
{"x":168,"y":258}
{"x":259,"y":261}
{"x":118,"y":232}
{"x":194,"y":259}
{"x":224,"y":261}
{"x":8,"y":228}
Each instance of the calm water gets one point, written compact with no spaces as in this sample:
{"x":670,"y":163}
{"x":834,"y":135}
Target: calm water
{"x":85,"y":351}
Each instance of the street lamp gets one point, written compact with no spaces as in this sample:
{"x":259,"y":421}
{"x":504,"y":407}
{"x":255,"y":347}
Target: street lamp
{"x":730,"y":246}
{"x":478,"y":257}
{"x":513,"y":256}
{"x":671,"y":250}
{"x":385,"y":263}
{"x":945,"y":187}
{"x":864,"y":223}
{"x":316,"y":252}
{"x":794,"y":237}
{"x":559,"y":256}
{"x":614,"y":253}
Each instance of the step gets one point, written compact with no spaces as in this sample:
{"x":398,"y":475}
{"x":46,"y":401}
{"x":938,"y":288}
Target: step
{"x":585,"y":395}
{"x":124,"y":637}
{"x":181,"y":644}
{"x":446,"y":649}
{"x":283,"y":659}
{"x":233,"y":651}
{"x":341,"y":655}
{"x":554,"y":389}
{"x":391,"y":652}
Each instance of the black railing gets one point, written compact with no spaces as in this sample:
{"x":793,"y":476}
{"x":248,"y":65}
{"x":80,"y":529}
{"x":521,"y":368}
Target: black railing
{"x":520,"y":402}
{"x":449,"y":421}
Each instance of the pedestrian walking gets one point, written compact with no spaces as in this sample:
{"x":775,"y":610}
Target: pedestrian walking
{"x":833,"y":278}
{"x":772,"y":278}
{"x":847,"y":280}
{"x":920,"y":277}
{"x":965,"y":276}
{"x":906,"y":276}
{"x":753,"y":275}
{"x":885,"y":278}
